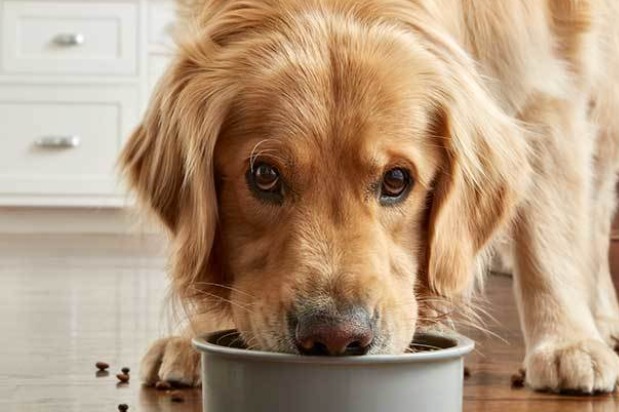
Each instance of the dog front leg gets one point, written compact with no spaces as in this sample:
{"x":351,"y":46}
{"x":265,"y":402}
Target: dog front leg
{"x":555,"y":283}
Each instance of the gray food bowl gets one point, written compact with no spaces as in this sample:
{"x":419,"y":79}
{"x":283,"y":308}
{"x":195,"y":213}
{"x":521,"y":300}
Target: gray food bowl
{"x":240,"y":380}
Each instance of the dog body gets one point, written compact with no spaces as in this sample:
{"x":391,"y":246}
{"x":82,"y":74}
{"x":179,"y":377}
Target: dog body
{"x":328,"y":167}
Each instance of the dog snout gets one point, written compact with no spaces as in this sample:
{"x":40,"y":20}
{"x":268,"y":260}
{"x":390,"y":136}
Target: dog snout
{"x":342,"y":334}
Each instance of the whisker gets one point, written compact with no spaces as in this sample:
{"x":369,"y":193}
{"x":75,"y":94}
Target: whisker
{"x":224,"y":287}
{"x":212,"y":295}
{"x":219,"y":339}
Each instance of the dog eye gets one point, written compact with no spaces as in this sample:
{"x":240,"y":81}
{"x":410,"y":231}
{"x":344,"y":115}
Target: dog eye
{"x":266,"y":177}
{"x":394,"y":186}
{"x":265,"y":182}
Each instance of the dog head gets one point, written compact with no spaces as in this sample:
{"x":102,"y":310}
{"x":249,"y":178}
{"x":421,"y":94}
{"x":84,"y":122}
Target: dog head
{"x":320,"y":163}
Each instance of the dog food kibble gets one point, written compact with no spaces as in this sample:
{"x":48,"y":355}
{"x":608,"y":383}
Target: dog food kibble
{"x":123,"y":377}
{"x":162,"y":386}
{"x":518,"y":379}
{"x":467,"y":372}
{"x":125,"y":370}
{"x":175,"y":396}
{"x":102,"y":366}
{"x":123,"y":407}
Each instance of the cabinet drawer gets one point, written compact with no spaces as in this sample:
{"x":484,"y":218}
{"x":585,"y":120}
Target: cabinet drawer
{"x":63,"y":144}
{"x":69,"y":38}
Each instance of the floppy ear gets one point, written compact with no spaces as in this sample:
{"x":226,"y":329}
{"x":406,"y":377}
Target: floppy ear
{"x":169,"y":162}
{"x":485,"y":157}
{"x":485,"y":172}
{"x":153,"y":158}
{"x":168,"y":159}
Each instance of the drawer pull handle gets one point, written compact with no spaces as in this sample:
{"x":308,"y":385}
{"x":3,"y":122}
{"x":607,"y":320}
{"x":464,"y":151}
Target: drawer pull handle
{"x":70,"y":39}
{"x":58,"y":142}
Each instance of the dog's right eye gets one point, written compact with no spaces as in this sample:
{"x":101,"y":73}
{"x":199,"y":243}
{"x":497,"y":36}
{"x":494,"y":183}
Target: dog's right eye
{"x":266,"y":177}
{"x":265,"y":182}
{"x":395,"y":185}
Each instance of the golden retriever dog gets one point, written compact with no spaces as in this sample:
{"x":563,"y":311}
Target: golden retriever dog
{"x":324,"y":167}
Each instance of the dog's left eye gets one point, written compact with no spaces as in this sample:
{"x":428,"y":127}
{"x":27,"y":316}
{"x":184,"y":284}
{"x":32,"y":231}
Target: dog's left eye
{"x":395,"y":185}
{"x":266,"y":177}
{"x":265,"y":181}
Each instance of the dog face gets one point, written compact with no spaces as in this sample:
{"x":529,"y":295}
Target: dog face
{"x":316,"y":170}
{"x":322,"y":186}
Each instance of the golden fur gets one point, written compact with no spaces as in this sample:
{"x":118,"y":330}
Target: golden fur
{"x":505,"y":112}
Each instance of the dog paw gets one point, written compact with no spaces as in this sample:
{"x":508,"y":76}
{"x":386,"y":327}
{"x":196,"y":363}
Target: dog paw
{"x":586,"y":367}
{"x":172,"y":360}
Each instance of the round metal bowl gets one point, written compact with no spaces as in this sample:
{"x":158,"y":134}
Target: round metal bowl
{"x":235,"y":379}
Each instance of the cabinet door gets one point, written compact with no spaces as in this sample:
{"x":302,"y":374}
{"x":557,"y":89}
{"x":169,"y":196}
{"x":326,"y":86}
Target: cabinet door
{"x":56,"y":145}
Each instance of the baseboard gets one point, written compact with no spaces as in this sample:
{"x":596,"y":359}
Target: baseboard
{"x":75,"y":221}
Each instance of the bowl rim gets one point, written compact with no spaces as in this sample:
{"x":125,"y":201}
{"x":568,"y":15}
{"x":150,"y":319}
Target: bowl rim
{"x":463,"y":346}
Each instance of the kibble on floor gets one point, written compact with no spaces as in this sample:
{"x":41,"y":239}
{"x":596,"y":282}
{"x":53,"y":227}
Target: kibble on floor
{"x":517,"y":379}
{"x":123,"y":378}
{"x":102,"y":366}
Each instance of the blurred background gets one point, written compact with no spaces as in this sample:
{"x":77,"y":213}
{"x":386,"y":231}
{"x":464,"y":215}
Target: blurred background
{"x":75,"y":78}
{"x":82,"y":276}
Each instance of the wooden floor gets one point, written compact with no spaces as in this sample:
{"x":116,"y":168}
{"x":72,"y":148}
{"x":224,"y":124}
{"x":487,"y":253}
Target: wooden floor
{"x":495,"y":360}
{"x":67,"y":302}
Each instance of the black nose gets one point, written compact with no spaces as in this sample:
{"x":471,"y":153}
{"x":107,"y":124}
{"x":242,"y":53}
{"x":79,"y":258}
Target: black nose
{"x":341,"y":334}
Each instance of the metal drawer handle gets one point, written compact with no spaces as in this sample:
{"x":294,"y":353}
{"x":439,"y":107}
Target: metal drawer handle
{"x":70,"y":39}
{"x":58,"y":142}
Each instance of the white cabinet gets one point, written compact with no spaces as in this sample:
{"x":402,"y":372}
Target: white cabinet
{"x":75,"y":77}
{"x":71,"y":38}
{"x":63,"y":144}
